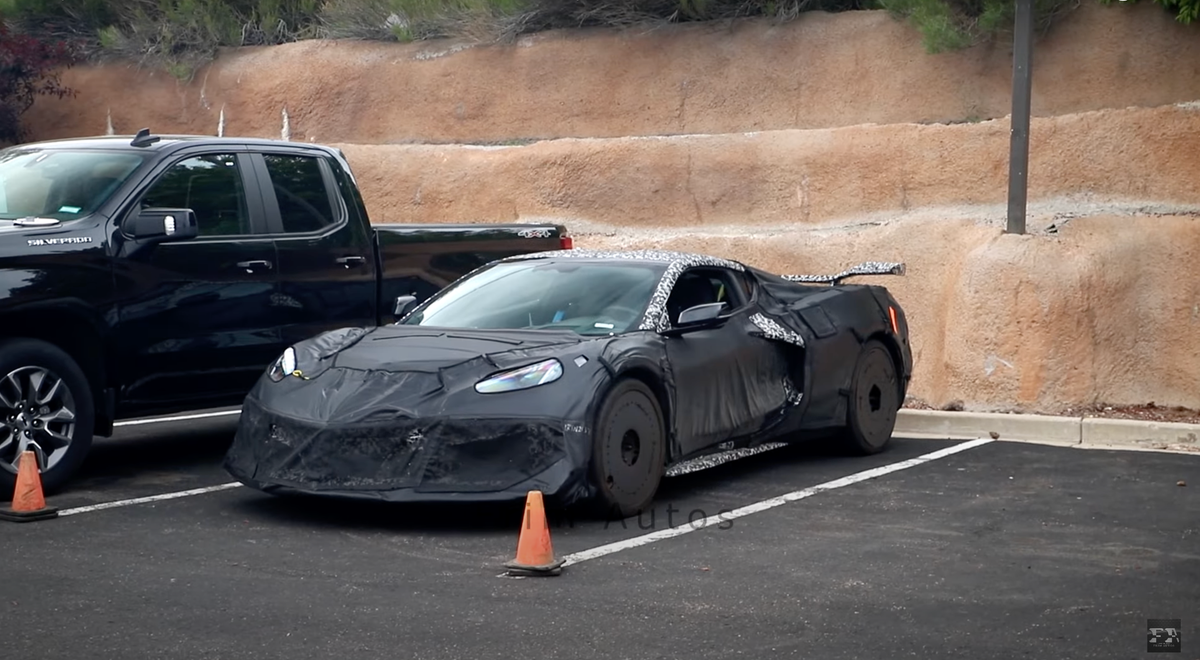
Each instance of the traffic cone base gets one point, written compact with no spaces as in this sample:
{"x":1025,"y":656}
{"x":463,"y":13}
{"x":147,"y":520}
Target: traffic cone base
{"x":535,"y":553}
{"x":45,"y":513}
{"x":28,"y":504}
{"x":517,"y":570}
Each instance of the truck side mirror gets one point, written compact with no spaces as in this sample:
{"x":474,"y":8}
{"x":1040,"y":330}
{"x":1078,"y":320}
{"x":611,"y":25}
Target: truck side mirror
{"x":160,"y":225}
{"x":404,"y":305}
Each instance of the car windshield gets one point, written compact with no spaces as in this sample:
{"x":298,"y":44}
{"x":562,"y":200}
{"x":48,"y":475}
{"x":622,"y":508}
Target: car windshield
{"x":60,"y":184}
{"x":587,"y":297}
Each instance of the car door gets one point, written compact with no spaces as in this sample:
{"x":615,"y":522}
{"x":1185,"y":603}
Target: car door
{"x":327,"y":269}
{"x":727,"y":379}
{"x":195,"y":317}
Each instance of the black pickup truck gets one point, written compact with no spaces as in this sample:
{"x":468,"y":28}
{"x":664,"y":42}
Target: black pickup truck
{"x":149,"y":275}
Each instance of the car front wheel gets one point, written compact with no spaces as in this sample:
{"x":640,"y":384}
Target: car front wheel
{"x":45,"y":408}
{"x":629,"y":450}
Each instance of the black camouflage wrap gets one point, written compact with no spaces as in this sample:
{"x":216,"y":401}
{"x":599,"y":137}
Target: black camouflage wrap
{"x":391,"y":413}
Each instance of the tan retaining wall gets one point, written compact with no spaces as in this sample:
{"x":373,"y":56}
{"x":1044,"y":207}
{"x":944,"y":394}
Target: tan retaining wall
{"x":819,"y":71}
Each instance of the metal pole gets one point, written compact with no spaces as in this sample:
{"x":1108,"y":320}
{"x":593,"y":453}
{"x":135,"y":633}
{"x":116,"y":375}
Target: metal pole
{"x":1022,"y":90}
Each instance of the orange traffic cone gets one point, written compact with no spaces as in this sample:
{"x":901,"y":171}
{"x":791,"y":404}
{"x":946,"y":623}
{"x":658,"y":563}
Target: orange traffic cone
{"x":28,"y":503}
{"x":535,"y":554}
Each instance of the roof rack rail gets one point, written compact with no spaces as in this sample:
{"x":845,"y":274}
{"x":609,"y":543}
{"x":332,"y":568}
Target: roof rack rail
{"x":144,"y":139}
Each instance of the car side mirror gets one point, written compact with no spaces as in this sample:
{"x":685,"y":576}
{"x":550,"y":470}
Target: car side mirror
{"x":404,"y":305}
{"x":699,"y":317}
{"x":161,"y":225}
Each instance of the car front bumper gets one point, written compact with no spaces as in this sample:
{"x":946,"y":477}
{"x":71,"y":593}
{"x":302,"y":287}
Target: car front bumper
{"x":424,"y":459}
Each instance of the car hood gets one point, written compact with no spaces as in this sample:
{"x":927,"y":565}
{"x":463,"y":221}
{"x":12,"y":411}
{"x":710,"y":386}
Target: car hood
{"x":373,"y":375}
{"x":429,"y":349}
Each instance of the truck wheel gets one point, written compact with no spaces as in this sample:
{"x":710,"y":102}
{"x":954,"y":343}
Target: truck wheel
{"x":45,"y":407}
{"x":874,"y":400}
{"x":628,"y":450}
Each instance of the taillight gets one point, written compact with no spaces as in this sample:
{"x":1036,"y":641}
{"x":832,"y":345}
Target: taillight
{"x":566,"y":243}
{"x":895,"y":325}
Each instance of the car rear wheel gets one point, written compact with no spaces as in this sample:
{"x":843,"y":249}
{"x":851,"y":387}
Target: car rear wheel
{"x":46,"y":408}
{"x":628,"y":450}
{"x":874,"y":400}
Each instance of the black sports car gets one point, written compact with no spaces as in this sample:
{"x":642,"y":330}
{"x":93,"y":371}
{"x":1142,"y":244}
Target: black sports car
{"x":584,"y":374}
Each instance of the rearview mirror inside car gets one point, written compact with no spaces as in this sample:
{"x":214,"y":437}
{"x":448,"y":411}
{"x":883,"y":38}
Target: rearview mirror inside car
{"x":160,"y":224}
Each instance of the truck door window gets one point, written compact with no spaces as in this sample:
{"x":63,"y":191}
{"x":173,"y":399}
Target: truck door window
{"x":299,"y":184}
{"x":211,"y":186}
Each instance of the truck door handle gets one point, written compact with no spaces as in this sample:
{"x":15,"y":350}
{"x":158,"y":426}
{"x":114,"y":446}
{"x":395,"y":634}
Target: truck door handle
{"x":251,"y":265}
{"x":351,"y":261}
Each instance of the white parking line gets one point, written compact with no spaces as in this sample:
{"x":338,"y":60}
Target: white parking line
{"x":645,"y":539}
{"x":764,"y":505}
{"x":151,"y":498}
{"x":177,"y":418}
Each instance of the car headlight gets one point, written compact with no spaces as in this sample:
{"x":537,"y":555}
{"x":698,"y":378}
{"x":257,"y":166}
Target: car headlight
{"x":533,"y":375}
{"x":284,"y":366}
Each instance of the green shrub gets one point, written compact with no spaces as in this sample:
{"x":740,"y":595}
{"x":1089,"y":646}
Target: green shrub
{"x":955,"y":24}
{"x":1185,"y":11}
{"x":179,"y":35}
{"x":501,"y":20}
{"x":29,"y":67}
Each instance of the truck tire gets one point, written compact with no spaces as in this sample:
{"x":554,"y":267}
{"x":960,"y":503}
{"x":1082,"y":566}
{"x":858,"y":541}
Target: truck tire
{"x":46,"y":406}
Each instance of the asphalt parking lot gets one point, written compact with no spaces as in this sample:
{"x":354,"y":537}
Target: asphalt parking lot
{"x":1000,"y":550}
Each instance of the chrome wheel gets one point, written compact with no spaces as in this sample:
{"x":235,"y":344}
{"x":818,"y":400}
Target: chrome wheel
{"x":37,"y":410}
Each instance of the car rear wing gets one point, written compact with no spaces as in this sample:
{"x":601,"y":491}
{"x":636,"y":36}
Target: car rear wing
{"x":865,"y":268}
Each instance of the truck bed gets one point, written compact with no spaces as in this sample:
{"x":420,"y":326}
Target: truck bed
{"x":420,"y":260}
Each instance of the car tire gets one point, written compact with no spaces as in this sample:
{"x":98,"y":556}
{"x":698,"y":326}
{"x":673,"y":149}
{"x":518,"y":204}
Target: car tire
{"x":628,"y":450}
{"x":874,"y":400}
{"x":25,"y":363}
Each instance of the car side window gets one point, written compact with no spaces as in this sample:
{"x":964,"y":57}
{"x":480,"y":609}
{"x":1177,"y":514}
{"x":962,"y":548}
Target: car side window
{"x":211,"y":186}
{"x":702,"y":286}
{"x":299,"y":183}
{"x":745,"y":284}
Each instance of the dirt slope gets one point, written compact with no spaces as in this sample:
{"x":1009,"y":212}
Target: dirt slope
{"x":773,"y":178}
{"x":820,"y":71}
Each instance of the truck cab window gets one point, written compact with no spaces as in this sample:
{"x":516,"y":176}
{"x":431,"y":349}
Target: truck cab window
{"x":299,"y":184}
{"x":211,"y":186}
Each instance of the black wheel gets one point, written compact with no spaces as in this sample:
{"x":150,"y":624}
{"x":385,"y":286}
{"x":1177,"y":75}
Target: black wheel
{"x":628,"y":450}
{"x":874,"y":400}
{"x":46,"y":408}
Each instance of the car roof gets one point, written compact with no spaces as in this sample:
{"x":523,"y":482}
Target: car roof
{"x":669,"y":258}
